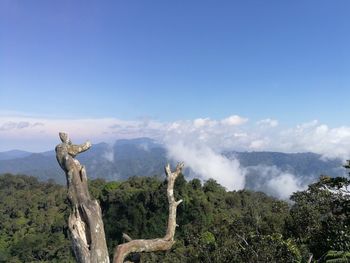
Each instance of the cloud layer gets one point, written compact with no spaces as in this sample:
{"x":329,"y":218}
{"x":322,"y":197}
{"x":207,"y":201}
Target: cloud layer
{"x":205,"y":163}
{"x":272,"y":180}
{"x":230,"y":133}
{"x":198,"y":142}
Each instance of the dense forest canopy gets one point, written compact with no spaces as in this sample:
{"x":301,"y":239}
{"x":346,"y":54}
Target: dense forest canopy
{"x":215,"y":225}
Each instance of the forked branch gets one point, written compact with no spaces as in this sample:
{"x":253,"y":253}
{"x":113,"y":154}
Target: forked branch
{"x":157,"y":244}
{"x":85,"y":221}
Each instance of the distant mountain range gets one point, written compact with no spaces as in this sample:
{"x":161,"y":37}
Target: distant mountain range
{"x":136,"y":157}
{"x":13,"y":154}
{"x":145,"y":157}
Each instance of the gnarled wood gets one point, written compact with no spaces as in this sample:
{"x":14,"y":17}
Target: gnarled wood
{"x":158,"y":244}
{"x":85,"y":221}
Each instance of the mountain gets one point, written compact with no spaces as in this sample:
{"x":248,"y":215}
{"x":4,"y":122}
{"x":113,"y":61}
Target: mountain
{"x":146,"y":157}
{"x":280,"y":174}
{"x":302,"y":164}
{"x":126,"y":158}
{"x":13,"y":154}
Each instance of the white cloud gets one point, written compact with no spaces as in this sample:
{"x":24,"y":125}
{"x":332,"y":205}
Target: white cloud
{"x":272,"y":180}
{"x":315,"y":137}
{"x":109,"y":154}
{"x":202,"y":122}
{"x":232,"y":133}
{"x":234,"y":120}
{"x":284,"y":185}
{"x":41,"y":134}
{"x":268,"y":123}
{"x":206,"y":163}
{"x":197,"y":142}
{"x":11,"y":125}
{"x":258,"y":144}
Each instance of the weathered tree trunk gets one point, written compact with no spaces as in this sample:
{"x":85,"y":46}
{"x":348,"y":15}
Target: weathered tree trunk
{"x":85,"y":221}
{"x":158,"y":244}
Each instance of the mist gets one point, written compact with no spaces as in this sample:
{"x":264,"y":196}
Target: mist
{"x":205,"y":164}
{"x":274,"y":181}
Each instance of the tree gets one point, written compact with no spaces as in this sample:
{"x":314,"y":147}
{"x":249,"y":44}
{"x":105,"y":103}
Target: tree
{"x":32,"y":221}
{"x":320,"y":216}
{"x":85,"y":221}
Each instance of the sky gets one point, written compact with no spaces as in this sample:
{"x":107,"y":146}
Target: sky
{"x":245,"y":75}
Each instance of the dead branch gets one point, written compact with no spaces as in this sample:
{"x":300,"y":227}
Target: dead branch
{"x":157,"y":244}
{"x":85,"y":221}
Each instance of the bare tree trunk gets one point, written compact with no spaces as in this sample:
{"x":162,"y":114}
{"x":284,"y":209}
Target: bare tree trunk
{"x":310,"y":258}
{"x":85,"y":221}
{"x":158,"y":244}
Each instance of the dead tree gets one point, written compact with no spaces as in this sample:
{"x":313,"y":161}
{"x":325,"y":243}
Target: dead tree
{"x":85,"y":221}
{"x":158,"y":244}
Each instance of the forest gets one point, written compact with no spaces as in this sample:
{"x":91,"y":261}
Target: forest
{"x":215,"y":225}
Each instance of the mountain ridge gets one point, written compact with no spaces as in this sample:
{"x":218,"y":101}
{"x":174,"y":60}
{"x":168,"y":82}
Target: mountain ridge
{"x":146,"y":157}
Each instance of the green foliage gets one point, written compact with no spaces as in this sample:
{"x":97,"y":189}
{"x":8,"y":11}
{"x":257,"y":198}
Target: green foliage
{"x":215,"y":225}
{"x":337,"y":257}
{"x":32,"y":221}
{"x":212,"y":221}
{"x":207,"y":238}
{"x":319,"y":219}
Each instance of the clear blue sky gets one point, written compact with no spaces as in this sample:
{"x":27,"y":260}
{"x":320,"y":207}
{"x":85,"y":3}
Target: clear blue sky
{"x":170,"y":60}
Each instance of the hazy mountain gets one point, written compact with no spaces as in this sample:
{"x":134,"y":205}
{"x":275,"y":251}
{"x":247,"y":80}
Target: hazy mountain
{"x":13,"y":154}
{"x":125,"y":158}
{"x":145,"y":157}
{"x":301,"y":164}
{"x":280,"y":174}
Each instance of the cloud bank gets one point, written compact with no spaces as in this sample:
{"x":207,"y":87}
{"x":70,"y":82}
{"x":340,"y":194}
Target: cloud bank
{"x":205,"y":163}
{"x":198,"y":142}
{"x":231,"y":133}
{"x":272,"y":180}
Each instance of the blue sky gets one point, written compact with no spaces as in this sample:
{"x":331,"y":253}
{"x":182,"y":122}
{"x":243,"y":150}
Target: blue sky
{"x":176,"y":60}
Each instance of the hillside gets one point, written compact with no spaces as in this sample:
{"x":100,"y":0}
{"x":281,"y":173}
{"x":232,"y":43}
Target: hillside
{"x":214,"y":225}
{"x":145,"y":157}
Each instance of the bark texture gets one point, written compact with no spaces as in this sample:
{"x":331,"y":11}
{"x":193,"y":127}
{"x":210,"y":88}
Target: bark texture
{"x":85,"y":221}
{"x":157,"y":244}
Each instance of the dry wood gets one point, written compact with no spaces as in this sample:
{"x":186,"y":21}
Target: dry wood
{"x":157,"y":244}
{"x":85,"y":221}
